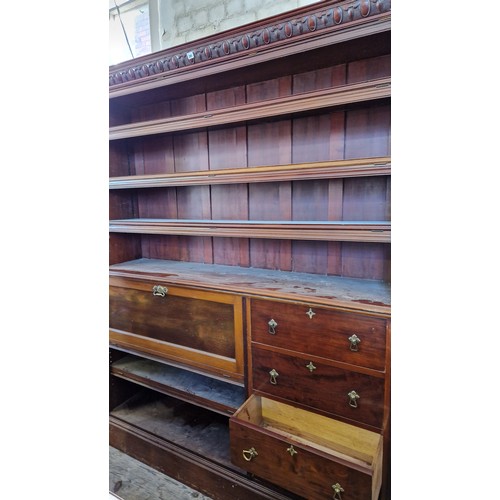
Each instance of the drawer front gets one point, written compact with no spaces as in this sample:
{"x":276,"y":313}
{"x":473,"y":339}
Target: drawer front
{"x":203,"y":329}
{"x":348,"y":337}
{"x":319,"y":386}
{"x":287,"y":464}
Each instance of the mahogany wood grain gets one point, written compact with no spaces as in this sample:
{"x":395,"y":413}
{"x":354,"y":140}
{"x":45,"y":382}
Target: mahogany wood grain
{"x":225,"y":173}
{"x":365,"y":260}
{"x":152,"y":111}
{"x":163,"y":247}
{"x":118,"y":159}
{"x":275,"y":464}
{"x":347,"y":294}
{"x":309,"y":101}
{"x":317,"y":79}
{"x":124,"y":247}
{"x":369,"y":36}
{"x":270,"y":143}
{"x":200,"y":329}
{"x":369,"y":68}
{"x":228,"y":149}
{"x":318,"y":138}
{"x":326,"y":451}
{"x":368,"y":131}
{"x":367,"y":197}
{"x":359,"y":231}
{"x":191,"y":154}
{"x":187,"y":322}
{"x":157,"y":155}
{"x":280,"y":172}
{"x":298,"y":385}
{"x":202,"y":473}
{"x":195,"y":388}
{"x":325,"y":334}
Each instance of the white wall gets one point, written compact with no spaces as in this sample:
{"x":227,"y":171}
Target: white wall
{"x":173,"y":22}
{"x":178,"y":21}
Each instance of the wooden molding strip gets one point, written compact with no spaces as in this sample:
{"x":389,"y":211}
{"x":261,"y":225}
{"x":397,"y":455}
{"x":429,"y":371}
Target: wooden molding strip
{"x":288,"y":33}
{"x":360,"y":231}
{"x":302,"y":171}
{"x":308,"y":101}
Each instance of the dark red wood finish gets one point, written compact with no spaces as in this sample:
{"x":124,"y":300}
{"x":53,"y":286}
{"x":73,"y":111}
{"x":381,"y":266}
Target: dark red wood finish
{"x":325,"y":334}
{"x":309,"y":473}
{"x":326,"y":388}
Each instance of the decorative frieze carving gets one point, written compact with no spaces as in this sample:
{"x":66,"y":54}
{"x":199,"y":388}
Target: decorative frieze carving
{"x":330,"y":16}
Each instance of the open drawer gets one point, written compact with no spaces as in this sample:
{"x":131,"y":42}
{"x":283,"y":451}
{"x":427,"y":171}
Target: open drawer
{"x":306,"y":453}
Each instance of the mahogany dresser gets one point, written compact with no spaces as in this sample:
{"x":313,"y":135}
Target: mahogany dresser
{"x":250,"y":257}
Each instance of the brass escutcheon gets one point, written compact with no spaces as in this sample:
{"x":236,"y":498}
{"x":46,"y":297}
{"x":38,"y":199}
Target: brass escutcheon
{"x":249,"y":454}
{"x":310,"y":366}
{"x":354,"y":340}
{"x":337,"y":490}
{"x":160,"y":291}
{"x":292,"y":450}
{"x":273,"y":373}
{"x":311,"y":313}
{"x":272,"y":326}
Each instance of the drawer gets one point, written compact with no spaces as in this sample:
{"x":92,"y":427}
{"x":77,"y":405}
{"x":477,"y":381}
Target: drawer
{"x":308,"y":454}
{"x":201,"y":329}
{"x":348,"y":337}
{"x":319,"y":386}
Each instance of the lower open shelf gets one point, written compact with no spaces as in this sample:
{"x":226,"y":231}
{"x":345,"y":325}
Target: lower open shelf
{"x":186,"y":442}
{"x":199,"y":430}
{"x":203,"y":391}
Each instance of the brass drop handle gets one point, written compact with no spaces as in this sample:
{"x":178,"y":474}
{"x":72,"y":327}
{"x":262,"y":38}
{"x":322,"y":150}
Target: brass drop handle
{"x":160,"y":291}
{"x":249,"y":454}
{"x":353,"y":399}
{"x":354,"y":340}
{"x":292,"y":450}
{"x":272,"y":326}
{"x":274,"y":374}
{"x":337,"y":490}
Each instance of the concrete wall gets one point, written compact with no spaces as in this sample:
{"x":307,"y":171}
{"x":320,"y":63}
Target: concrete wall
{"x":178,"y":21}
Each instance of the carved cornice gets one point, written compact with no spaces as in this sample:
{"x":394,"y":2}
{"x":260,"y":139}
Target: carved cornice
{"x":333,"y":15}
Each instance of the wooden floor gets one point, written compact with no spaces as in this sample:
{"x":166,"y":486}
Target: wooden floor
{"x":130,"y":479}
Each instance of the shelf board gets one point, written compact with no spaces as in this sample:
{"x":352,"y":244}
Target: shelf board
{"x":308,"y":101}
{"x":195,"y":388}
{"x":348,"y":293}
{"x":302,"y":171}
{"x":361,"y":231}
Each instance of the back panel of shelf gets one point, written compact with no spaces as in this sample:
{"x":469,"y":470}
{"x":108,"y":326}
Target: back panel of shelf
{"x":357,"y":131}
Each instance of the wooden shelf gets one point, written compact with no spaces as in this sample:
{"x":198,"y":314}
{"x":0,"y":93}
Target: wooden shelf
{"x":195,"y":388}
{"x":176,"y":421}
{"x":308,"y":101}
{"x":361,"y":231}
{"x":348,"y":293}
{"x":318,"y":170}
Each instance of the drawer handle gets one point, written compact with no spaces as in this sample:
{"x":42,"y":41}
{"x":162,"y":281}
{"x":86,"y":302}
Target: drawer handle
{"x":354,"y":340}
{"x":249,"y":454}
{"x":337,"y":490}
{"x":292,"y":450}
{"x":353,"y":399}
{"x":310,"y":366}
{"x":272,"y":326}
{"x":273,"y":373}
{"x":160,"y":291}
